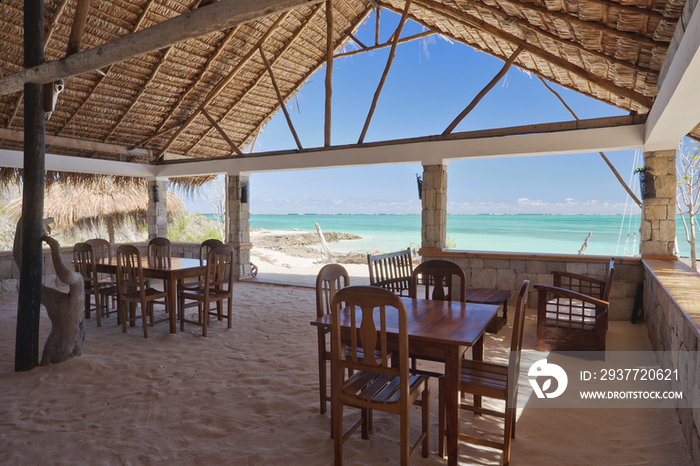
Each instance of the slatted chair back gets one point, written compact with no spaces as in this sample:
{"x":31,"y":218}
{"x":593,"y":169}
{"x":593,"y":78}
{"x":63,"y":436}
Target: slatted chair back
{"x":220,"y":269}
{"x":84,"y":263}
{"x":516,"y":343}
{"x":159,"y":252}
{"x":103,"y":250}
{"x":391,"y":271}
{"x":129,"y":270}
{"x":206,"y":246}
{"x":330,"y":279}
{"x":373,"y":309}
{"x":590,"y":286}
{"x":440,"y":275}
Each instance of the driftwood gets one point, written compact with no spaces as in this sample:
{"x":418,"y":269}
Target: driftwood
{"x":585,"y":244}
{"x":326,"y":253}
{"x":65,"y":310}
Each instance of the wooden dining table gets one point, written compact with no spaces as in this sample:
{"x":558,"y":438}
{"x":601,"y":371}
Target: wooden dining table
{"x":442,"y":331}
{"x":178,"y":269}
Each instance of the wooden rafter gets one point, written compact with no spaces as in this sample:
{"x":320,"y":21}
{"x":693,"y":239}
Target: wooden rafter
{"x":308,"y":75}
{"x":221,"y":131}
{"x":477,"y":23}
{"x":483,"y":92}
{"x":358,"y":41}
{"x":376,"y":25}
{"x":280,"y":99}
{"x":329,"y":73}
{"x":389,"y":61}
{"x":223,"y":83}
{"x":52,"y":22}
{"x":602,"y":154}
{"x":143,"y":88}
{"x":218,"y":16}
{"x":78,"y":27}
{"x":257,"y":81}
{"x":103,"y":75}
{"x":524,"y":23}
{"x":387,"y":44}
{"x":207,"y":65}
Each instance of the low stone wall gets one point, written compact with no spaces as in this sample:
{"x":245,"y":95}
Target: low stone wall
{"x":504,"y":271}
{"x":672,"y":315}
{"x":9,"y":273}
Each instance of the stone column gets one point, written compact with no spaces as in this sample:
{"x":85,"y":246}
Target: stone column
{"x":157,"y":209}
{"x":434,"y":202}
{"x":238,"y":223}
{"x":659,"y":203}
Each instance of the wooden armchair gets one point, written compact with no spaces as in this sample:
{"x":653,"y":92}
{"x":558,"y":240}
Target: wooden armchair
{"x":391,"y":271}
{"x":572,"y":315}
{"x":374,"y":385}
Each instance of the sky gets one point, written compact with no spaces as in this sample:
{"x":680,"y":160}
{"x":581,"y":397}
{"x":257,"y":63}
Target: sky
{"x":431,"y":81}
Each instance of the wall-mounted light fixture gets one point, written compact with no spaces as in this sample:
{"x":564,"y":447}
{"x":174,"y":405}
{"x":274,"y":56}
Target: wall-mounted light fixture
{"x":420,"y":186}
{"x":244,"y":192}
{"x":156,"y":193}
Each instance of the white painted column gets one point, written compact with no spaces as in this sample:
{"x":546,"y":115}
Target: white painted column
{"x":659,"y":203}
{"x":238,"y":222}
{"x":157,"y":208}
{"x":434,"y":202}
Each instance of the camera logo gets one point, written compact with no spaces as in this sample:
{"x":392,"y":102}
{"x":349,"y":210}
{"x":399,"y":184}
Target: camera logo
{"x":543,"y":369}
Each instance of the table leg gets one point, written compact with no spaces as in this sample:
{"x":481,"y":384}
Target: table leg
{"x":172,"y":303}
{"x":478,"y":355}
{"x":453,"y":368}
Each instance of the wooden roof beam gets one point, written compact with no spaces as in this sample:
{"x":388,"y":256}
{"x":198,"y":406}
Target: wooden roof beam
{"x":329,"y":73}
{"x":280,"y":99}
{"x":221,"y":131}
{"x":387,"y":44}
{"x":224,"y":14}
{"x":461,"y":16}
{"x":78,"y":27}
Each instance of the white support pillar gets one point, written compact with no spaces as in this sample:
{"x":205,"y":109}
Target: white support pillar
{"x":157,"y":208}
{"x":238,"y":222}
{"x":434,"y":202}
{"x":659,"y":203}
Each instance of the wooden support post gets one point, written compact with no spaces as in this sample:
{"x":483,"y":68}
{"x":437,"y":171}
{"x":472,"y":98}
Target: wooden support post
{"x":76,"y":32}
{"x":612,"y":167}
{"x":397,"y":34}
{"x":376,"y":27}
{"x":222,"y":132}
{"x":280,"y":99}
{"x":329,"y":73}
{"x":31,"y":255}
{"x":483,"y":92}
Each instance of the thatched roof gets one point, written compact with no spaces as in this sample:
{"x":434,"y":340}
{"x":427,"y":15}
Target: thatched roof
{"x":607,"y":49}
{"x":85,"y":201}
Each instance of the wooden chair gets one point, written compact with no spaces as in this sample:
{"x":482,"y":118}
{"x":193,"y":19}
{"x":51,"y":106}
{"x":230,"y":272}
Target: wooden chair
{"x":499,"y":381}
{"x":374,"y":385}
{"x":85,"y":265}
{"x":198,"y":282}
{"x":391,"y":271}
{"x":572,"y":315}
{"x":218,"y":285}
{"x":103,"y":255}
{"x":439,"y":274}
{"x":132,"y":290}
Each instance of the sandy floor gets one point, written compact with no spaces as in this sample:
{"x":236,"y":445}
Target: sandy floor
{"x":249,"y":396}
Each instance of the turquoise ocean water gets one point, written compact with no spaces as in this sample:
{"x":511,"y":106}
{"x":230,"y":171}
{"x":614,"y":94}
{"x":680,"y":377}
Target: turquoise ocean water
{"x":558,"y":234}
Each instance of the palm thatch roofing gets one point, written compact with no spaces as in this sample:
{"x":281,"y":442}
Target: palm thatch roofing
{"x":172,"y":100}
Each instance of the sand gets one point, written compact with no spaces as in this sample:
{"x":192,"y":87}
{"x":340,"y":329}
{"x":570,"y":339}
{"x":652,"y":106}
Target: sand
{"x":249,"y":396}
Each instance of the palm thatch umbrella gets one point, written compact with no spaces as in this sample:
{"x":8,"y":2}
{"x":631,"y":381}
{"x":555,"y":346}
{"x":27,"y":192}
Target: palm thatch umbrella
{"x":78,"y":201}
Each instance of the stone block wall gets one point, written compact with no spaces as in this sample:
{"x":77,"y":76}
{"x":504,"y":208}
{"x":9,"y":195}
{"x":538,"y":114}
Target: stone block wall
{"x":238,"y":229}
{"x":659,"y":215}
{"x":507,"y":271}
{"x":671,"y":307}
{"x":434,"y":203}
{"x":157,"y":209}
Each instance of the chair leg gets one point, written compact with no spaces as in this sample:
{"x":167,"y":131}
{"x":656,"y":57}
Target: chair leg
{"x":121,"y":311}
{"x":98,"y":307}
{"x":441,"y":417}
{"x":205,"y":319}
{"x":425,"y":404}
{"x":404,"y":439}
{"x":144,"y":315}
{"x":87,"y":304}
{"x":337,"y":432}
{"x":230,"y":311}
{"x":507,"y":434}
